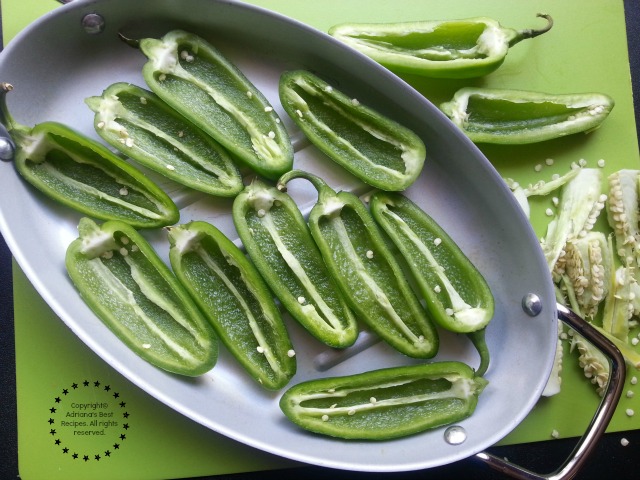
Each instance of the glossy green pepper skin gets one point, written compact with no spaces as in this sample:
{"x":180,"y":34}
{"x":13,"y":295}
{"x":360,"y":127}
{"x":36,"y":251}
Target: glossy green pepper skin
{"x":277,"y":238}
{"x":466,"y":48}
{"x":385,"y":404}
{"x":374,"y":148}
{"x":366,"y":270}
{"x":230,"y":292}
{"x":199,"y":82}
{"x":122,"y":279}
{"x":500,"y":116}
{"x":83,"y":174}
{"x":143,"y":127}
{"x":455,"y":293}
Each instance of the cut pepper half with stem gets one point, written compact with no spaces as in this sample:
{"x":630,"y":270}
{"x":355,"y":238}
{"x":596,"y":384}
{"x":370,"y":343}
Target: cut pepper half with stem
{"x":455,"y":292}
{"x":464,"y":48}
{"x":366,"y":270}
{"x":83,"y":174}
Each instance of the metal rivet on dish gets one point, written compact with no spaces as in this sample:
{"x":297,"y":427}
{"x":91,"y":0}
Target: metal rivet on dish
{"x":455,"y":435}
{"x":531,"y":304}
{"x":93,"y":23}
{"x":6,"y":149}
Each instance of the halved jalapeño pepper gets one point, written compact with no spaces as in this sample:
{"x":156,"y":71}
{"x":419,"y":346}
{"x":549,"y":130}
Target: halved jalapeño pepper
{"x":277,"y":238}
{"x":366,"y":271}
{"x":518,"y":117}
{"x":465,"y":48}
{"x":385,"y":404}
{"x":143,"y":127}
{"x":122,"y":279}
{"x":235,"y":299}
{"x":199,"y":82}
{"x":83,"y":174}
{"x":374,"y":148}
{"x":456,"y":294}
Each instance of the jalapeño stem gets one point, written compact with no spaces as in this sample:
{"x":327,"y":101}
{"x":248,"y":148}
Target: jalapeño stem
{"x":532,"y":33}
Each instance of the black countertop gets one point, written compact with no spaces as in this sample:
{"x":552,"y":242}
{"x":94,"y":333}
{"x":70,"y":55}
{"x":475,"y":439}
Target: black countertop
{"x":609,"y":460}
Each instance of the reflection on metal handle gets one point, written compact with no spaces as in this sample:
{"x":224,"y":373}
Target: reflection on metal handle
{"x":600,"y":420}
{"x":7,"y":147}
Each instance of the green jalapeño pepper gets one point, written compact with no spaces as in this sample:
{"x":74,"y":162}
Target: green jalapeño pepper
{"x":143,"y":127}
{"x":199,"y":82}
{"x":441,"y":49}
{"x":277,"y":238}
{"x":517,"y":117}
{"x":456,"y":294}
{"x":122,"y":279}
{"x":372,"y":147}
{"x":235,"y":299}
{"x":366,"y":271}
{"x":83,"y":174}
{"x":387,"y":403}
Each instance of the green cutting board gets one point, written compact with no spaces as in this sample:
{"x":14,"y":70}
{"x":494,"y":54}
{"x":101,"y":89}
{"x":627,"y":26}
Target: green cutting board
{"x":585,"y":51}
{"x":52,"y":364}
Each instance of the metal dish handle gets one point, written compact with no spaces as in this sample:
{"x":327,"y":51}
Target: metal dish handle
{"x":600,"y":420}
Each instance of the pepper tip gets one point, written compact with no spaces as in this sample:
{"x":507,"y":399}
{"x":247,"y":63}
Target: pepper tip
{"x":132,"y":42}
